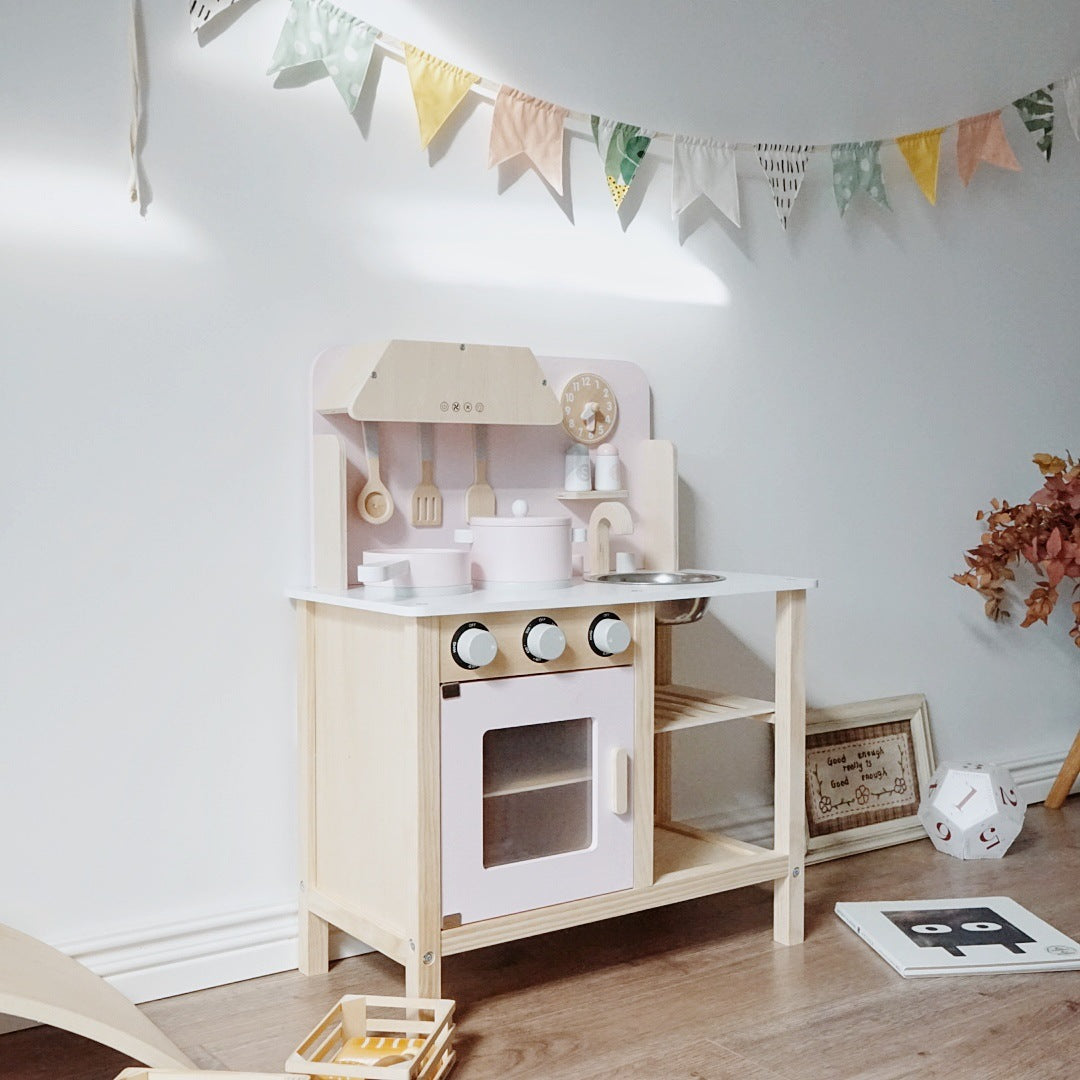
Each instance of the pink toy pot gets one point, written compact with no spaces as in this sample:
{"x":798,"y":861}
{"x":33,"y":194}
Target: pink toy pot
{"x":519,"y":550}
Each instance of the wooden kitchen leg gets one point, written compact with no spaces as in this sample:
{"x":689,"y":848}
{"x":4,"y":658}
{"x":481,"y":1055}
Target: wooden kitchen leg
{"x":644,"y":752}
{"x":423,"y":980}
{"x":423,"y":967}
{"x":790,"y":756}
{"x":313,"y":944}
{"x":313,"y":938}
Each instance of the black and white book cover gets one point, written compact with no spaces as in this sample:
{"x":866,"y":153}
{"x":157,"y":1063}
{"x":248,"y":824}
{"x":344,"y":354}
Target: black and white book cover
{"x":971,"y":935}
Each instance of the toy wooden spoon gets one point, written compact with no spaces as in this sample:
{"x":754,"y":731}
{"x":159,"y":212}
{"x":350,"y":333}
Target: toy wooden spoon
{"x":479,"y":496}
{"x":373,"y":503}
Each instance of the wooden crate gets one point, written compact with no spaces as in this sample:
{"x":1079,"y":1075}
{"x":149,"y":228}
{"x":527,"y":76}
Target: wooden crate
{"x":417,"y":1029}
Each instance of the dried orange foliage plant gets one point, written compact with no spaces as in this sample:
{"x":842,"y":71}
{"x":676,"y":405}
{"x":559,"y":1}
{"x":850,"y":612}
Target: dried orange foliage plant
{"x":1045,"y":531}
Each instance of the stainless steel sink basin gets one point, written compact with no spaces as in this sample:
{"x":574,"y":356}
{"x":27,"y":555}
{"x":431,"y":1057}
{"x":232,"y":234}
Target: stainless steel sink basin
{"x":668,"y":612}
{"x":656,"y":577}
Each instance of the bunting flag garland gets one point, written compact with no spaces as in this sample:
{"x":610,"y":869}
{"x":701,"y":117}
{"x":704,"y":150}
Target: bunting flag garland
{"x":526,"y":125}
{"x":922,"y":152}
{"x":982,"y":138}
{"x":785,"y":167}
{"x":1037,"y":111}
{"x":316,"y":31}
{"x":856,"y":168}
{"x":202,"y":11}
{"x":1072,"y":102}
{"x":438,"y":88}
{"x":622,"y":148}
{"x":704,"y":167}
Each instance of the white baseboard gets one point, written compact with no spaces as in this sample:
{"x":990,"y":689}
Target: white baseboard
{"x":1035,"y":776}
{"x":164,"y":961}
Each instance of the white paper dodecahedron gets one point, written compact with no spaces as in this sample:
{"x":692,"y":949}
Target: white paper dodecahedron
{"x":972,"y":811}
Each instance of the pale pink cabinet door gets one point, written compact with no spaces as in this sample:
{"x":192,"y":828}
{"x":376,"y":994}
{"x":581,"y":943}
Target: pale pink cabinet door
{"x":536,"y":807}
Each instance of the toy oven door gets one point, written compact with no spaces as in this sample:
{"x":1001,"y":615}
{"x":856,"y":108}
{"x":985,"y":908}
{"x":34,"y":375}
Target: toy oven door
{"x":536,"y":801}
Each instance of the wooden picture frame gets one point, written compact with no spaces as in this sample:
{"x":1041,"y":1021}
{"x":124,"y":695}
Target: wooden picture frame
{"x":867,"y":766}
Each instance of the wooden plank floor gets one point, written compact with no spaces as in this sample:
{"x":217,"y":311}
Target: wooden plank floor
{"x":695,"y":990}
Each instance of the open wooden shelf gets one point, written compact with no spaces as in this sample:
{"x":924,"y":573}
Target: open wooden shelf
{"x":681,"y":851}
{"x":679,"y":707}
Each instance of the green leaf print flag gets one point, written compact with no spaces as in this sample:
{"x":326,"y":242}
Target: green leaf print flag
{"x":622,"y":148}
{"x":1037,"y":111}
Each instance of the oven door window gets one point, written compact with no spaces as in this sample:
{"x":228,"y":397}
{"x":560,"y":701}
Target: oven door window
{"x":538,"y":797}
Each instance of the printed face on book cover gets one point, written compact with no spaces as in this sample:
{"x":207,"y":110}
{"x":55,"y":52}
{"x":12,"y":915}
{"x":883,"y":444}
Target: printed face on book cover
{"x":950,"y":928}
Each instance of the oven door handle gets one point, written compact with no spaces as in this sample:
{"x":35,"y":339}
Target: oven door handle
{"x":620,"y":781}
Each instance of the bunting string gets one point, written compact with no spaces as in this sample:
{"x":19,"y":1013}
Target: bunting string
{"x":317,"y":31}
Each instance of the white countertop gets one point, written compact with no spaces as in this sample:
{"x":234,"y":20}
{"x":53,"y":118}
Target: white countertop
{"x":579,"y":594}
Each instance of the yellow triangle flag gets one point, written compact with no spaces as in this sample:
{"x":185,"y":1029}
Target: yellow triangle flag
{"x":437,"y":87}
{"x":921,"y":151}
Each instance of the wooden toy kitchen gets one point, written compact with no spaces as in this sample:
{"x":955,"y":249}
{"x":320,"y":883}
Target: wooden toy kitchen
{"x":486,"y":705}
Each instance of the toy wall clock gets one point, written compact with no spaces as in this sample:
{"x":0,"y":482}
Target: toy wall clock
{"x":589,"y":408}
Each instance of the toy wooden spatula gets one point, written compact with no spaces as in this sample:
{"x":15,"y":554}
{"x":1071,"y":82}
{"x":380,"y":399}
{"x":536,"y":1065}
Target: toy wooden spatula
{"x":427,"y":499}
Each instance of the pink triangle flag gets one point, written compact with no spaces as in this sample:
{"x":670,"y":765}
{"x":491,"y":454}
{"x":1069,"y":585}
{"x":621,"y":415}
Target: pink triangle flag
{"x":529,"y":126}
{"x":982,"y":138}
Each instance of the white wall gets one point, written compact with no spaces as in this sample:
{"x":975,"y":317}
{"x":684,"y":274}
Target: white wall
{"x":843,"y":397}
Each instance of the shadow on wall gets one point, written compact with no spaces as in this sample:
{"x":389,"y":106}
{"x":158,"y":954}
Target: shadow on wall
{"x":722,"y":774}
{"x":708,"y":653}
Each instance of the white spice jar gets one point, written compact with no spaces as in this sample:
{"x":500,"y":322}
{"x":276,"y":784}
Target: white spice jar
{"x":578,"y":469}
{"x":608,"y":476}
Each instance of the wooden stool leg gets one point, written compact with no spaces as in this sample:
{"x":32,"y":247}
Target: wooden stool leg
{"x":1066,"y":778}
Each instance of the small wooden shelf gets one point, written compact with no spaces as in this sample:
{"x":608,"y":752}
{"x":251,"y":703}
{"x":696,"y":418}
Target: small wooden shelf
{"x":681,"y":851}
{"x":619,"y":493}
{"x":678,"y":707}
{"x":555,"y":778}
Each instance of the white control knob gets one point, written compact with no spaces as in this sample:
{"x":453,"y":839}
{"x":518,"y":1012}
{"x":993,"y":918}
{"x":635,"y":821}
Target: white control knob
{"x":476,"y":647}
{"x":610,"y":635}
{"x":545,"y":641}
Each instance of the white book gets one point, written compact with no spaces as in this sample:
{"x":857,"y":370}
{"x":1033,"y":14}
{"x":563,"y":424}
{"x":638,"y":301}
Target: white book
{"x":965,"y":936}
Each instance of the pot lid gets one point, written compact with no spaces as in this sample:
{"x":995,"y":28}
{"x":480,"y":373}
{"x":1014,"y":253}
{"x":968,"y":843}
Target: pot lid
{"x":520,"y":510}
{"x":519,"y":522}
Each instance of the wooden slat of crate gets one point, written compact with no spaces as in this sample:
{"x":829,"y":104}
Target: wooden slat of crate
{"x":314,"y":1056}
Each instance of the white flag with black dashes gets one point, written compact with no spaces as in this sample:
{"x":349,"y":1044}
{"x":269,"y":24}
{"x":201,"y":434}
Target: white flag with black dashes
{"x":202,"y":11}
{"x":785,"y":167}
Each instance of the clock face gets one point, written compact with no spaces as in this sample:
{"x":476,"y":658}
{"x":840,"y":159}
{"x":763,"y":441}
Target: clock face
{"x":589,"y":408}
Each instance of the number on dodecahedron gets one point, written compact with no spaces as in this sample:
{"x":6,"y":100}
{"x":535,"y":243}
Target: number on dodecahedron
{"x":972,"y":811}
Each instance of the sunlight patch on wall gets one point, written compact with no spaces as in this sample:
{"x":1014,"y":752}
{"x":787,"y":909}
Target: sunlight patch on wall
{"x":50,"y":203}
{"x":455,"y":243}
